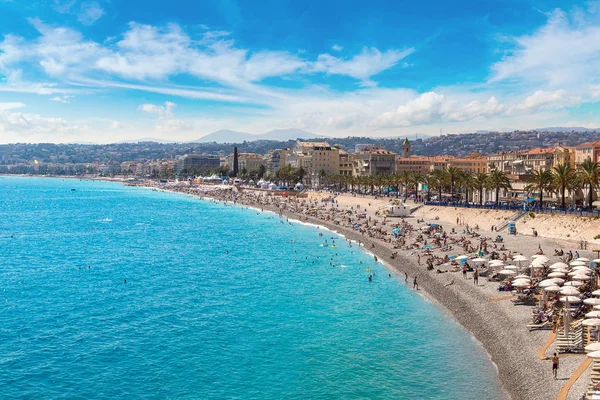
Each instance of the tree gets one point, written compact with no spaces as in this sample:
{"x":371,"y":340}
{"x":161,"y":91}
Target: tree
{"x":430,"y":182}
{"x":498,"y":180}
{"x":415,"y":180}
{"x":589,"y":174}
{"x":300,"y":174}
{"x":564,"y":177}
{"x":539,"y":181}
{"x":261,"y":171}
{"x":466,"y":181}
{"x":452,"y":175}
{"x":480,"y":182}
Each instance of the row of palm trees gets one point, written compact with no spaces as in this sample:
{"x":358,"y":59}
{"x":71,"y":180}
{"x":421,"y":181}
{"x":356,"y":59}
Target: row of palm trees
{"x":561,"y":179}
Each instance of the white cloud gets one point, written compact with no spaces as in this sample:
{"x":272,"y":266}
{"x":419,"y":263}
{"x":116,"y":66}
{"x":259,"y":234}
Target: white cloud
{"x":62,"y":99}
{"x":565,"y":51}
{"x":424,"y":109}
{"x":336,"y":47}
{"x":362,"y":66}
{"x":10,"y":106}
{"x":90,"y":13}
{"x":166,"y":120}
{"x":544,"y":99}
{"x":476,"y":109}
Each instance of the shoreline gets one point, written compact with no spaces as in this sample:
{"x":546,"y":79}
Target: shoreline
{"x":499,"y":328}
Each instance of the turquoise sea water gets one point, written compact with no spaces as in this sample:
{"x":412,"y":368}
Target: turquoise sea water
{"x":220,"y":303}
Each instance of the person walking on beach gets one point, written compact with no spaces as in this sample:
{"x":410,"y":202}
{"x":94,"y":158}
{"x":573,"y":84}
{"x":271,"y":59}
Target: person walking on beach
{"x":554,"y":365}
{"x":415,"y":284}
{"x":419,"y":259}
{"x":406,"y":277}
{"x":476,"y":277}
{"x":464,"y":270}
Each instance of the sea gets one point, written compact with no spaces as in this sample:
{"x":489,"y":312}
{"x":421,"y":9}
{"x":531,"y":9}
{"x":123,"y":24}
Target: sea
{"x":115,"y":292}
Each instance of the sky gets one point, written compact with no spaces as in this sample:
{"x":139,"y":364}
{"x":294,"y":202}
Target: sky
{"x":103,"y":71}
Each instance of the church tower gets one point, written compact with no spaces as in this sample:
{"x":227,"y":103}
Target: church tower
{"x":406,"y":148}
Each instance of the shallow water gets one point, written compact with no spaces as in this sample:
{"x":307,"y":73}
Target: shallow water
{"x":220,"y":302}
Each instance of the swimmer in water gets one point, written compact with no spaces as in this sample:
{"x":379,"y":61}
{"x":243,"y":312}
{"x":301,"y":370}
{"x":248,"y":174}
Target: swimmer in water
{"x":124,"y":280}
{"x":370,"y":278}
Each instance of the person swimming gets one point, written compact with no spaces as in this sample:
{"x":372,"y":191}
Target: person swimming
{"x":370,"y":278}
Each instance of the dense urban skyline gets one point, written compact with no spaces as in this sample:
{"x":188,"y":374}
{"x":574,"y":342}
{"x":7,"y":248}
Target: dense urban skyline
{"x":100,"y":71}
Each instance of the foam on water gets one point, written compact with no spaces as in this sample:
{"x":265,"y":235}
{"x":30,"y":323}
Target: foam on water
{"x":219,"y":303}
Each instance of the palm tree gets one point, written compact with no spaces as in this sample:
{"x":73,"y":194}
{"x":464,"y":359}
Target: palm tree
{"x":440,"y":179}
{"x":467,"y":181}
{"x":415,"y":179}
{"x":540,"y":181}
{"x":430,"y":181}
{"x":452,"y":175}
{"x":498,"y":180}
{"x":480,"y":182}
{"x":564,"y":177}
{"x":589,"y":174}
{"x":406,"y":179}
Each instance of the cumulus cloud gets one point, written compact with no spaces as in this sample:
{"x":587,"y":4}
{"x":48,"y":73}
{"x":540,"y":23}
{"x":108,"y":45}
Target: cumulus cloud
{"x":24,"y":125}
{"x":424,"y":109}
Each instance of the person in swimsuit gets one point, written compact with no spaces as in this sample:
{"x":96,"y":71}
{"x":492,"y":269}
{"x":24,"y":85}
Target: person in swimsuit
{"x":554,"y":365}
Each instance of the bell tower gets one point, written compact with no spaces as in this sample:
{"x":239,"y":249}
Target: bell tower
{"x":406,"y":148}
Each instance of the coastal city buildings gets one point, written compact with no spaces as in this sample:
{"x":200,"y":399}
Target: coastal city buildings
{"x":319,"y":163}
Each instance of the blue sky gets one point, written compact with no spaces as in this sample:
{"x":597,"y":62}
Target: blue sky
{"x":111,"y":70}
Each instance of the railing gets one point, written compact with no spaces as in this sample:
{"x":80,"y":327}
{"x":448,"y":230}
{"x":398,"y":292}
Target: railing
{"x":512,"y":218}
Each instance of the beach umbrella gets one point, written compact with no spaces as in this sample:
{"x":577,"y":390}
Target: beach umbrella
{"x":496,"y":263}
{"x":592,"y":301}
{"x":596,"y":261}
{"x":523,"y":277}
{"x":580,"y":277}
{"x":507,"y":272}
{"x":513,"y":267}
{"x":593,"y":314}
{"x":520,"y":257}
{"x":572,"y":274}
{"x":564,"y":271}
{"x":583,"y":269}
{"x":575,"y":263}
{"x":540,"y":258}
{"x":582,"y":259}
{"x":596,"y":308}
{"x":574,"y":283}
{"x":559,"y":265}
{"x":521,"y":284}
{"x":460,"y":258}
{"x":556,"y":274}
{"x":569,"y":291}
{"x":593,"y":347}
{"x":558,"y":281}
{"x":594,"y":354}
{"x":527,"y":281}
{"x":479,"y":260}
{"x":547,"y":283}
{"x":596,"y":293}
{"x":570,"y":299}
{"x":591,"y":322}
{"x":553,"y":288}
